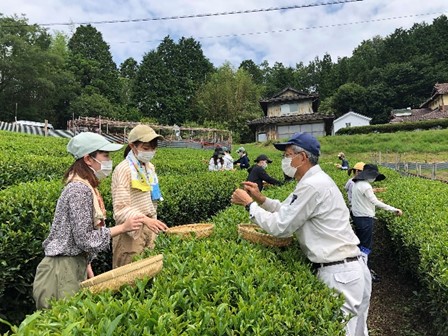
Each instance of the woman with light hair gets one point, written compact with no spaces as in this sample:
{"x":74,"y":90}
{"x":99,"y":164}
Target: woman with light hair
{"x":344,"y":163}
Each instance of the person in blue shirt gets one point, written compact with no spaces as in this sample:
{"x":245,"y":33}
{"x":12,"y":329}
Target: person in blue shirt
{"x":243,"y":161}
{"x":344,"y":162}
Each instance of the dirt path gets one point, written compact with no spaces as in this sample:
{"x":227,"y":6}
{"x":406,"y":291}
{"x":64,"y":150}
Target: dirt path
{"x":393,"y":306}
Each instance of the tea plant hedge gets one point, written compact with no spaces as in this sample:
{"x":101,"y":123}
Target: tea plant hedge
{"x":221,"y":285}
{"x":420,"y":236}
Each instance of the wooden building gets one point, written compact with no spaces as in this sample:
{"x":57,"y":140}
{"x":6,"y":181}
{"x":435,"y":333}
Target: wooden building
{"x":436,"y":107}
{"x":288,"y":112}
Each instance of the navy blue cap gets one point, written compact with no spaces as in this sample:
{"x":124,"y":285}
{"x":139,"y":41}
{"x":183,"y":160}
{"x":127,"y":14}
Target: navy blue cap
{"x":303,"y":140}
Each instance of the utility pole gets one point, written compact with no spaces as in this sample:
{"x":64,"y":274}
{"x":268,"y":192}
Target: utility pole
{"x":16,"y":113}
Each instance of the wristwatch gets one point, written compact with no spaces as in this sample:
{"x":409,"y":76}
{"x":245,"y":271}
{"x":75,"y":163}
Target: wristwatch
{"x":247,"y":206}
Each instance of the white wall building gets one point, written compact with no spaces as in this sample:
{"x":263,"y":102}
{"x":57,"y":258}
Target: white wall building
{"x":350,"y":119}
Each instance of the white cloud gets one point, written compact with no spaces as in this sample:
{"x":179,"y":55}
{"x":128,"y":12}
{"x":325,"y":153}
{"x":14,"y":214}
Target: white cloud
{"x":338,"y":34}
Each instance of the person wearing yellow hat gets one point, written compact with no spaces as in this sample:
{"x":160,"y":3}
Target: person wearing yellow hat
{"x":357,"y":168}
{"x":136,"y":192}
{"x":78,"y":232}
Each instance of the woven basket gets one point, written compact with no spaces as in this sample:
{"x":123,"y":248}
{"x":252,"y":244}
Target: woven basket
{"x":127,"y":274}
{"x":254,"y":234}
{"x":383,"y":189}
{"x":199,"y":230}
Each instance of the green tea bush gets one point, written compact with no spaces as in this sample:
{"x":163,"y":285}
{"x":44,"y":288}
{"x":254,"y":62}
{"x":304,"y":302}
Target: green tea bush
{"x":420,"y":236}
{"x":26,"y":212}
{"x":220,"y":285}
{"x":16,"y":167}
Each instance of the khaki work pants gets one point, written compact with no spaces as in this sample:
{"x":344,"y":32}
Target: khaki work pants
{"x":125,"y":247}
{"x":58,"y":277}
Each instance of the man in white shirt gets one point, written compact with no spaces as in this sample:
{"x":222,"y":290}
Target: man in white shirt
{"x":317,"y":214}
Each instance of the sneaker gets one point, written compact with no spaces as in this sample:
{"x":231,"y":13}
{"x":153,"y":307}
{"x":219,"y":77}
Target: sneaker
{"x":375,"y":277}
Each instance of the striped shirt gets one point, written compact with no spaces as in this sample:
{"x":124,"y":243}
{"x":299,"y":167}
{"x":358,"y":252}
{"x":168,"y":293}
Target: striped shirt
{"x":129,"y":202}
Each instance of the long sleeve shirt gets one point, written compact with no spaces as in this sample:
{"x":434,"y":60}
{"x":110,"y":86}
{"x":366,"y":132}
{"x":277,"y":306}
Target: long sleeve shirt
{"x":127,"y":201}
{"x":228,"y":162}
{"x":364,"y":200}
{"x":72,"y":231}
{"x":214,"y":167}
{"x":243,"y":161}
{"x":348,"y":188}
{"x":316,"y":213}
{"x":258,"y":174}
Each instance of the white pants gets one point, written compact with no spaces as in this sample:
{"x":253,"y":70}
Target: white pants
{"x":354,"y":281}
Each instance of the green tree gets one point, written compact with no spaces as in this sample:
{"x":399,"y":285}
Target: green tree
{"x":65,"y":81}
{"x":350,"y":96}
{"x":322,"y":76}
{"x":91,"y":62}
{"x":168,"y":78}
{"x":378,"y":102}
{"x":93,"y":104}
{"x":128,"y":75}
{"x":254,"y":70}
{"x":151,"y":87}
{"x":326,"y":106}
{"x":230,"y":98}
{"x":405,"y":79}
{"x":128,"y":69}
{"x":29,"y":71}
{"x":279,"y":77}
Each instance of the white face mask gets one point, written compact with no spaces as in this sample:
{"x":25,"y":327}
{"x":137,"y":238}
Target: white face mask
{"x":145,"y":156}
{"x":105,"y":170}
{"x":264,"y":165}
{"x":287,"y":168}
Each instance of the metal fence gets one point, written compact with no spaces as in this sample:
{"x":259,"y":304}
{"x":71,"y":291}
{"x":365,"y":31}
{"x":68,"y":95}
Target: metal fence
{"x":398,"y":162}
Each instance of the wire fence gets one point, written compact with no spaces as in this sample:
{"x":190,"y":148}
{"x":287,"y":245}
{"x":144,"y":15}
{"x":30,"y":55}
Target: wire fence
{"x":429,"y":170}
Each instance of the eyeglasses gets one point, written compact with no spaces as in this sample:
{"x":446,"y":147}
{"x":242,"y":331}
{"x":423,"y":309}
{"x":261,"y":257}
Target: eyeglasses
{"x":285,"y":155}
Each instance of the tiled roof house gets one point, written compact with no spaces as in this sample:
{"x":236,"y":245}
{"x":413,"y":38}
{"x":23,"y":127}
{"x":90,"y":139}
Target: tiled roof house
{"x":436,"y":107}
{"x":288,"y":112}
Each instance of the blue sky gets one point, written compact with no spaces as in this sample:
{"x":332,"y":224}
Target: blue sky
{"x":287,"y":36}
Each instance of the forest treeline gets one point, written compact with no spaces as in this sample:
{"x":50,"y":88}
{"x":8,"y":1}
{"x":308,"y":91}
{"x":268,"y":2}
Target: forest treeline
{"x":52,"y":76}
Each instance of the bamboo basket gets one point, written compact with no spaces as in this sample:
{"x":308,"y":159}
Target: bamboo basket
{"x":253,"y":233}
{"x":383,"y":189}
{"x":127,"y":274}
{"x":199,"y":230}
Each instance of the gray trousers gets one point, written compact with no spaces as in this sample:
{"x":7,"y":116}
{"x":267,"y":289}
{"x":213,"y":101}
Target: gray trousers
{"x":354,"y":281}
{"x":58,"y":277}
